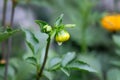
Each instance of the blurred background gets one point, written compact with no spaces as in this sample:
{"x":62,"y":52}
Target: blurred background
{"x":94,"y":44}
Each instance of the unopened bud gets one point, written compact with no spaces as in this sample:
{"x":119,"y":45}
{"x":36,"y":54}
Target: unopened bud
{"x":47,"y":28}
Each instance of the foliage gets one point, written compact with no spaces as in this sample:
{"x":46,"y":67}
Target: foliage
{"x":6,"y":34}
{"x":113,"y":74}
{"x":65,"y":64}
{"x":88,"y":51}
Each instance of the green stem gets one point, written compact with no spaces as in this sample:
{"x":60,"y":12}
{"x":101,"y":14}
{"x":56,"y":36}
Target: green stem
{"x":83,"y":44}
{"x":38,"y":68}
{"x":39,"y":74}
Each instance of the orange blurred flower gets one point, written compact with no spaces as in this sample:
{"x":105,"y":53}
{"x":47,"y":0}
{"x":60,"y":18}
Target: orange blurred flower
{"x":111,"y":22}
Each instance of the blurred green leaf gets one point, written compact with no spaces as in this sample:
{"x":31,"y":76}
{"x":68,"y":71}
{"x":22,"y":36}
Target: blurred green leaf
{"x":55,"y":63}
{"x":30,"y":46}
{"x":80,"y":66}
{"x":93,"y":61}
{"x":22,"y":67}
{"x":6,"y":34}
{"x":14,"y":62}
{"x":65,"y":71}
{"x":115,"y":62}
{"x":1,"y":72}
{"x":48,"y":74}
{"x":8,"y":29}
{"x":113,"y":74}
{"x":32,"y":41}
{"x":27,"y":72}
{"x":32,"y":60}
{"x":116,"y":39}
{"x":1,"y":28}
{"x":11,"y":73}
{"x":117,"y":52}
{"x":41,"y":24}
{"x":68,"y":58}
{"x":59,"y":20}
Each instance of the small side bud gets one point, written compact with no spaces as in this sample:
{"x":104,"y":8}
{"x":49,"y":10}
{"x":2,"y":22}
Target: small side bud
{"x":47,"y":28}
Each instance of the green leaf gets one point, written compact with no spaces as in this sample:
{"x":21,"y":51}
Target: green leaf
{"x":23,"y":68}
{"x":55,"y":63}
{"x":113,"y":74}
{"x":6,"y":34}
{"x":115,"y":62}
{"x":81,"y":66}
{"x":32,"y":60}
{"x":11,"y":73}
{"x":48,"y":74}
{"x":32,"y":41}
{"x":15,"y":62}
{"x":59,"y":20}
{"x":2,"y":29}
{"x":41,"y":24}
{"x":68,"y":58}
{"x":30,"y":46}
{"x":65,"y":71}
{"x":117,"y":52}
{"x":82,"y":62}
{"x":91,"y":60}
{"x":116,"y":40}
{"x":8,"y":29}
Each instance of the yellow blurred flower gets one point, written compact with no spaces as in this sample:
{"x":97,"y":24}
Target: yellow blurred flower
{"x":111,"y":22}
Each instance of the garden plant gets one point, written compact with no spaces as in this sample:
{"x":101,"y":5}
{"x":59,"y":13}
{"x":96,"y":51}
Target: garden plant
{"x":59,"y":40}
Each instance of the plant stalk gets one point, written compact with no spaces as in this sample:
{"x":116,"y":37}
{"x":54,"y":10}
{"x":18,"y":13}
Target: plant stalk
{"x":4,"y":12}
{"x":83,"y":44}
{"x":12,"y":14}
{"x":3,"y":24}
{"x":9,"y":43}
{"x":39,"y":74}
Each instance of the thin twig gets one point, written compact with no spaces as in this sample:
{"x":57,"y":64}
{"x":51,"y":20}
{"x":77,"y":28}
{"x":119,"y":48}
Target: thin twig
{"x":9,"y":42}
{"x":45,"y":59}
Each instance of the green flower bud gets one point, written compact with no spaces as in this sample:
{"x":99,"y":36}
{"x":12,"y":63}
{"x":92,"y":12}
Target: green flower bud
{"x":47,"y":28}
